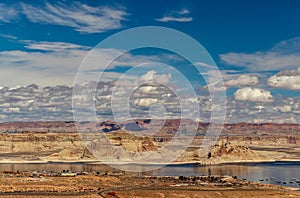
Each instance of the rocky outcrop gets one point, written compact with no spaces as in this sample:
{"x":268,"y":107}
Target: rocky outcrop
{"x":59,"y":141}
{"x":108,"y":126}
{"x":227,"y":152}
{"x":168,"y":128}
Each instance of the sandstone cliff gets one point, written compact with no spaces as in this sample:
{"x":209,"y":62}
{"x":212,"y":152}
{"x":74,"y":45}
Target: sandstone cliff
{"x":59,"y":141}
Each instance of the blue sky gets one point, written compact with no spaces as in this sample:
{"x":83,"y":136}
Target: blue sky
{"x":212,"y":22}
{"x":256,"y":44}
{"x":221,"y":27}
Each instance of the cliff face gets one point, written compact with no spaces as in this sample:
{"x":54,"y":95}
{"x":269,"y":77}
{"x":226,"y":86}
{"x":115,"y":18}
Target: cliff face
{"x":18,"y":127}
{"x":40,"y":146}
{"x":33,"y":146}
{"x":169,"y":127}
{"x":58,"y":141}
{"x":233,"y":152}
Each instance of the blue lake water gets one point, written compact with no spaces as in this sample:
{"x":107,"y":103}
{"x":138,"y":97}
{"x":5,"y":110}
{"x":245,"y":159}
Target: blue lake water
{"x":280,"y":173}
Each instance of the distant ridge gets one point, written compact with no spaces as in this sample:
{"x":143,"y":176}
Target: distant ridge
{"x":170,"y":127}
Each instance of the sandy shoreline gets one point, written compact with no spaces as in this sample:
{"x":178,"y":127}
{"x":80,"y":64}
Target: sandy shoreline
{"x":137,"y":186}
{"x":94,"y":162}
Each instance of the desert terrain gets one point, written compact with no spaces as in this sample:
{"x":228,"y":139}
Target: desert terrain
{"x":59,"y":141}
{"x":44,"y":142}
{"x":97,"y":185}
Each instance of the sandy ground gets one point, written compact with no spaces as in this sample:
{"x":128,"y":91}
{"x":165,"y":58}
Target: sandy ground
{"x":133,"y":186}
{"x":202,"y":193}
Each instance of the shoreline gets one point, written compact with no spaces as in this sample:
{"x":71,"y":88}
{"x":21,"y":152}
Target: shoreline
{"x":196,"y":163}
{"x":91,"y":185}
{"x":190,"y":164}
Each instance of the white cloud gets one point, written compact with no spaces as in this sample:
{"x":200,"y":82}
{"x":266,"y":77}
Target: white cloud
{"x":53,"y":46}
{"x":148,"y":85}
{"x":8,"y":36}
{"x":12,"y":110}
{"x":83,"y":18}
{"x":253,"y":94}
{"x":287,"y":79}
{"x":259,"y":108}
{"x":153,"y":77}
{"x":285,"y":82}
{"x":177,"y":19}
{"x":262,"y":61}
{"x":284,"y":55}
{"x":293,"y":72}
{"x":147,"y":89}
{"x":8,"y":13}
{"x":53,"y":63}
{"x":288,"y":46}
{"x":177,"y":16}
{"x":45,"y":68}
{"x":242,"y":80}
{"x":284,"y":109}
{"x":54,"y":103}
{"x":230,"y":79}
{"x":145,"y":102}
{"x":205,"y":65}
{"x":184,"y":11}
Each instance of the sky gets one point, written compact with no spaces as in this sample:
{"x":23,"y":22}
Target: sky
{"x":255,"y":45}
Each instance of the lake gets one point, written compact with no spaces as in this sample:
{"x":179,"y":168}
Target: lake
{"x":271,"y":172}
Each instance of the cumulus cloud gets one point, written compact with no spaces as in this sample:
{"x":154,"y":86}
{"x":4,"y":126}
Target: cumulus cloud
{"x":242,"y":80}
{"x":36,"y":103}
{"x":153,"y":77}
{"x":32,"y":102}
{"x":230,"y":79}
{"x":284,"y":55}
{"x":284,"y":109}
{"x":176,"y":16}
{"x":145,"y":102}
{"x":253,"y":94}
{"x":287,"y":79}
{"x":13,"y":109}
{"x":145,"y":94}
